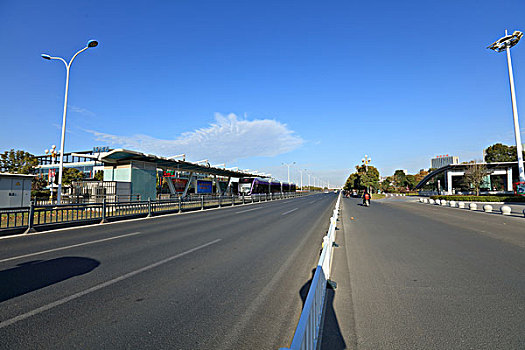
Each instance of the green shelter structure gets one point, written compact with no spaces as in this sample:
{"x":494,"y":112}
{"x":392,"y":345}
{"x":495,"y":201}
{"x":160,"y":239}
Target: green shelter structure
{"x":140,"y":170}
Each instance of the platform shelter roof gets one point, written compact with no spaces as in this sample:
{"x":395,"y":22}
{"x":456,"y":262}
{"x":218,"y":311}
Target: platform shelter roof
{"x":123,"y":156}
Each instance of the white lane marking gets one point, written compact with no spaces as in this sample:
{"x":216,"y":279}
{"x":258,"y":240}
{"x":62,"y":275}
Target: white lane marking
{"x":41,"y":309}
{"x":244,"y":211}
{"x":68,"y":247}
{"x":289,"y":211}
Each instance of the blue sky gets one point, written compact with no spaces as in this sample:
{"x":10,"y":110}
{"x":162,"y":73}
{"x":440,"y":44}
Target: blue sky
{"x":258,"y":83}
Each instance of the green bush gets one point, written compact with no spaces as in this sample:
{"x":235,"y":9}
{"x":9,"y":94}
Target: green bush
{"x":492,"y":198}
{"x":40,"y":194}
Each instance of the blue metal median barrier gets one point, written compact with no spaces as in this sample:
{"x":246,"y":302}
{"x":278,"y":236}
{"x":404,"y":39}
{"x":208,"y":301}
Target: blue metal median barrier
{"x":306,"y":335}
{"x":42,"y":217}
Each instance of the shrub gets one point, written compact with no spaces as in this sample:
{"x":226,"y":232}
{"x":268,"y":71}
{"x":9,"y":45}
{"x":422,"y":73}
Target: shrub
{"x":40,"y":194}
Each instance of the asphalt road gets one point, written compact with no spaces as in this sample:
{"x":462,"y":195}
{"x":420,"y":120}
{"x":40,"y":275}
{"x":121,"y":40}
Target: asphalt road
{"x":415,"y":276}
{"x":220,"y":279}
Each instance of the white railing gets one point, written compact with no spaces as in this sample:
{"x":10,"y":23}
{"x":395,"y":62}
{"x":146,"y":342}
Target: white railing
{"x":307,"y":333}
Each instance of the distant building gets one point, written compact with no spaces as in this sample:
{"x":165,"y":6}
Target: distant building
{"x":444,"y":160}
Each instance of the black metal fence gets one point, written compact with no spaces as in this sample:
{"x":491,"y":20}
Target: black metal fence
{"x":42,"y":217}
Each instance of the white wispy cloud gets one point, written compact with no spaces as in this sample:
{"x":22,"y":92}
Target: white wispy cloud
{"x":226,"y":140}
{"x":83,"y":111}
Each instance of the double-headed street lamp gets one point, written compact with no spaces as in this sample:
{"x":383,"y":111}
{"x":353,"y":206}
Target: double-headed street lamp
{"x":91,"y":43}
{"x":288,"y":165}
{"x":504,"y":44}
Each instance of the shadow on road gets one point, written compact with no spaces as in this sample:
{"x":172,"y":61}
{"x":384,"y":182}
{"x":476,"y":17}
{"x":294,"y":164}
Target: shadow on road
{"x":332,"y":337}
{"x":37,"y":274}
{"x":303,"y":292}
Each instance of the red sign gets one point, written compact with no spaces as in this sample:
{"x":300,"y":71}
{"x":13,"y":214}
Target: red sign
{"x":180,"y":184}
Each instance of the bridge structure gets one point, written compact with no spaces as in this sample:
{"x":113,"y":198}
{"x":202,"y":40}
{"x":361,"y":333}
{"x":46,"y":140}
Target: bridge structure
{"x":449,"y":179}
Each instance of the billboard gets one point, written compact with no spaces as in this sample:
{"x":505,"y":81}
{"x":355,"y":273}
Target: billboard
{"x":519,"y":188}
{"x":180,"y":184}
{"x":204,"y":186}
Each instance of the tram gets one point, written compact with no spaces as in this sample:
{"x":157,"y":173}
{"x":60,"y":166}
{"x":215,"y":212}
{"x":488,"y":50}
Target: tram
{"x":255,"y":185}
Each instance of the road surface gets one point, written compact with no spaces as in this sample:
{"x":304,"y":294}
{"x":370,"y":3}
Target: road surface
{"x":417,"y":276}
{"x":220,"y":279}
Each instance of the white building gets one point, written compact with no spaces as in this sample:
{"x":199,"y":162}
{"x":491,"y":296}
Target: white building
{"x":444,"y":160}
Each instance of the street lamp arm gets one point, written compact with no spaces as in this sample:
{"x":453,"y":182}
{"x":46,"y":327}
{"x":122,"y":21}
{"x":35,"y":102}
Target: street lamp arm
{"x":72,"y":58}
{"x":59,"y":58}
{"x":75,"y":55}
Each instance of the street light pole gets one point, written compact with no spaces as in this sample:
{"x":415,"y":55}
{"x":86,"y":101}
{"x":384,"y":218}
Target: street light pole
{"x":301,"y":171}
{"x":506,"y":43}
{"x":288,"y":165}
{"x":91,"y":43}
{"x":519,"y":147}
{"x":365,"y":162}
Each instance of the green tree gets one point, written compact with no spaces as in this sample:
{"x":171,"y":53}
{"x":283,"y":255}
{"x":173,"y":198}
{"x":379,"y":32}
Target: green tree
{"x":352,"y":182}
{"x":501,"y":153}
{"x":474,"y":175}
{"x":70,"y":175}
{"x":99,"y":175}
{"x":368,"y":177}
{"x":411,"y":181}
{"x":18,"y":162}
{"x":400,"y":179}
{"x":38,"y":183}
{"x":364,"y":177}
{"x":386,"y":185}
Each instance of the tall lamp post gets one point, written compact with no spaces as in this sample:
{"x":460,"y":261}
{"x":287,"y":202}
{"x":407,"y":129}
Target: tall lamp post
{"x":365,"y":162}
{"x":301,"y":171}
{"x":91,"y":43}
{"x":309,"y":189}
{"x":288,"y":165}
{"x":504,"y":44}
